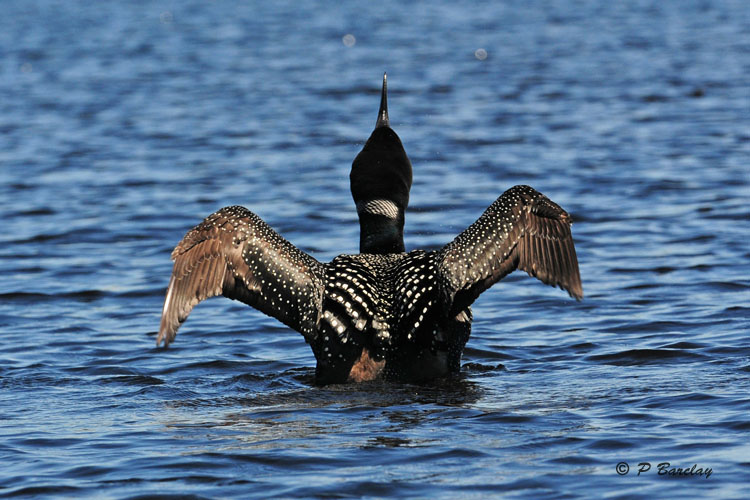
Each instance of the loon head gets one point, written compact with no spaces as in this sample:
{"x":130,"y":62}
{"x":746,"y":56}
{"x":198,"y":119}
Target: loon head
{"x":380,"y":182}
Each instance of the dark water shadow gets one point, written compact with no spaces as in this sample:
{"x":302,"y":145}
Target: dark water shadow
{"x":290,"y":406}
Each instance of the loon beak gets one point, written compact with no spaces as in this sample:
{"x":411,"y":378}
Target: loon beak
{"x":383,"y":113}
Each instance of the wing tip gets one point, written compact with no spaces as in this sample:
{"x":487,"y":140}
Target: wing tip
{"x":570,"y":279}
{"x":166,"y":334}
{"x":575,"y":291}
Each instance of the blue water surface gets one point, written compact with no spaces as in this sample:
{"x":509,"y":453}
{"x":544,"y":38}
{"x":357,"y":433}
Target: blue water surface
{"x":123,"y":124}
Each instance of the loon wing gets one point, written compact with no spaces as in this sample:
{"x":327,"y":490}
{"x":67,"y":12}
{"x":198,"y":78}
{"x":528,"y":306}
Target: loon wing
{"x":522,"y":229}
{"x":235,"y":254}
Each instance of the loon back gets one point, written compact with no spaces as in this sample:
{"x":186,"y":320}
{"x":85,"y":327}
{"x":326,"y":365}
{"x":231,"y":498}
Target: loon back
{"x":397,"y":316}
{"x":380,"y":180}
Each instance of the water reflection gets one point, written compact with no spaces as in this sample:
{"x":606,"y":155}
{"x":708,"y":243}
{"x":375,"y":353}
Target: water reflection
{"x":301,"y":415}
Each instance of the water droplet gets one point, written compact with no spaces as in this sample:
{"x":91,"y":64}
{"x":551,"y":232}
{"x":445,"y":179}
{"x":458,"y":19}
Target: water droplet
{"x":349,"y":40}
{"x":480,"y":54}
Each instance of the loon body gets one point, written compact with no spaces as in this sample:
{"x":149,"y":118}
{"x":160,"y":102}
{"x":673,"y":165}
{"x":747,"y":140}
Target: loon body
{"x":383,"y":313}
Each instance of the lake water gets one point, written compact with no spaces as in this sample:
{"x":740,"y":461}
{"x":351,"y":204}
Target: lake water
{"x":123,"y":124}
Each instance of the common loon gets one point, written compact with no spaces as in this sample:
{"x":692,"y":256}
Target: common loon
{"x":383,"y":313}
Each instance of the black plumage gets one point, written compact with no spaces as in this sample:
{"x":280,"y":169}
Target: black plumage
{"x":380,"y":313}
{"x":401,"y":316}
{"x":380,"y":181}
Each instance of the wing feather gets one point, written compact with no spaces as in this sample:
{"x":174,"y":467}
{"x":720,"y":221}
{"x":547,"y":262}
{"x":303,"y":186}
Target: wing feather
{"x":235,"y":254}
{"x":522,"y":229}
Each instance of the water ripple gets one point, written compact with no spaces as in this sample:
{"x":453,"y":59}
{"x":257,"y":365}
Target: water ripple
{"x":122,"y":126}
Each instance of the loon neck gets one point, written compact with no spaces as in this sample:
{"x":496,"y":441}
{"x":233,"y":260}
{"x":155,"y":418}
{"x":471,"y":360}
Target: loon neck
{"x":380,"y":182}
{"x":380,"y":234}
